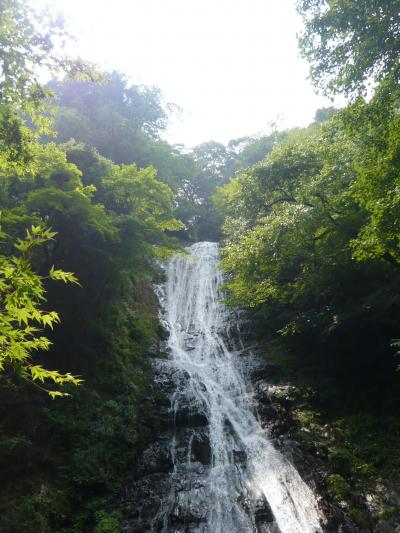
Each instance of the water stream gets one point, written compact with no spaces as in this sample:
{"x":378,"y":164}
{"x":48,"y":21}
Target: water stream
{"x":227,"y":475}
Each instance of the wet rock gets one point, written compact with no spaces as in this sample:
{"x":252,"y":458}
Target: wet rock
{"x":187,"y":411}
{"x":186,"y":416}
{"x":239,"y":456}
{"x":274,"y":407}
{"x":262,"y":512}
{"x":190,"y":472}
{"x":163,"y":330}
{"x":142,"y":502}
{"x":387,"y":526}
{"x":185,"y":511}
{"x":200,"y":448}
{"x":154,"y":349}
{"x":155,"y":459}
{"x":164,"y":349}
{"x":279,"y":427}
{"x":261,"y":370}
{"x":164,"y":379}
{"x":170,"y":486}
{"x":189,"y":347}
{"x":162,"y":402}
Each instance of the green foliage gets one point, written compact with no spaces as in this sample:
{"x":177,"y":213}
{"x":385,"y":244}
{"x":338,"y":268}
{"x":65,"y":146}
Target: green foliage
{"x":107,"y":522}
{"x":338,"y":487}
{"x":28,"y":42}
{"x":248,"y":151}
{"x":288,"y":229}
{"x":59,"y":459}
{"x":340,"y":460}
{"x":109,"y":115}
{"x":15,"y":150}
{"x":82,"y":447}
{"x":347,"y":408}
{"x":21,"y":318}
{"x":388,"y":513}
{"x":359,"y":517}
{"x":124,"y":123}
{"x":311,"y":249}
{"x":315,"y":220}
{"x":374,"y":126}
{"x":199,"y":202}
{"x":348,"y":42}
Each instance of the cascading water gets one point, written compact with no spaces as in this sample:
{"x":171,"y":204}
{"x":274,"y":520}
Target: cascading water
{"x":227,"y":476}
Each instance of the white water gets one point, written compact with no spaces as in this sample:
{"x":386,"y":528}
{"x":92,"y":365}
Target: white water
{"x":213,"y":383}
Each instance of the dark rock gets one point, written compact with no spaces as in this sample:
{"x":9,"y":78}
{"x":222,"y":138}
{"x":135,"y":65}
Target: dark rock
{"x":262,"y":512}
{"x":239,"y":456}
{"x":153,"y":350}
{"x":155,"y":459}
{"x":162,"y":496}
{"x":185,"y":512}
{"x":187,"y":412}
{"x":164,"y":349}
{"x":200,"y":449}
{"x":163,"y":330}
{"x":281,"y":426}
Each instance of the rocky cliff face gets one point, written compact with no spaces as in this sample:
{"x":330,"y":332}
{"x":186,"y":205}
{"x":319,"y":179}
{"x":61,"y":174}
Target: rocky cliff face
{"x":159,"y":499}
{"x":224,"y":457}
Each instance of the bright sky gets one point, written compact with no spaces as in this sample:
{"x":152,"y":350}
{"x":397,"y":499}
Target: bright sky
{"x":231,"y":65}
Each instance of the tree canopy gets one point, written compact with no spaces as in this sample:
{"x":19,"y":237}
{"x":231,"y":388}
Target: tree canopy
{"x":93,"y":199}
{"x":350,"y":44}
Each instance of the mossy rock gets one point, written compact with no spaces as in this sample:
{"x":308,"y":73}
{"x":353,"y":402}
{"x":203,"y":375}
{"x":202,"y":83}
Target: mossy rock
{"x":338,"y":487}
{"x":107,"y":522}
{"x":340,"y":460}
{"x":388,"y":513}
{"x":359,"y":517}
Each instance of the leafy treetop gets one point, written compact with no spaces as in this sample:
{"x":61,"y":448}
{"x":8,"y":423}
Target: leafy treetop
{"x":350,"y":43}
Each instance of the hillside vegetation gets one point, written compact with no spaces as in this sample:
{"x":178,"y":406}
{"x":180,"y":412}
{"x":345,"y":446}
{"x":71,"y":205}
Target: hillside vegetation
{"x":93,"y":199}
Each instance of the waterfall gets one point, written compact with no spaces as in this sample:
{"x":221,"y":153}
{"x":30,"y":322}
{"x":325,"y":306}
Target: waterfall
{"x":227,"y":475}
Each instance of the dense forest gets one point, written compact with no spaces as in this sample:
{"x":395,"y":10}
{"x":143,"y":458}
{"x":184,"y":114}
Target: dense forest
{"x":93,"y":199}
